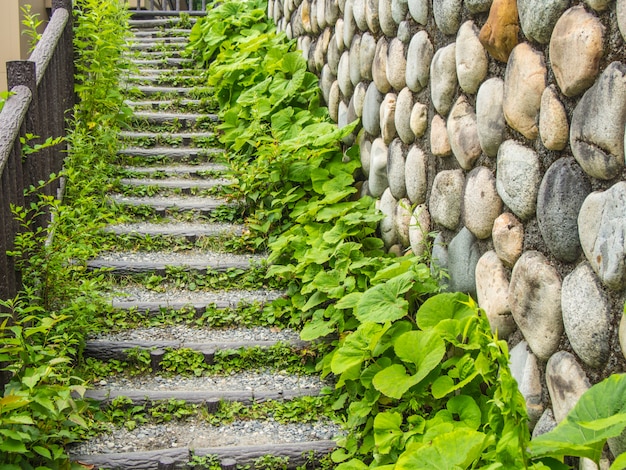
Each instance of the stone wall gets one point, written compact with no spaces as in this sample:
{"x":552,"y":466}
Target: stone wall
{"x":498,"y":125}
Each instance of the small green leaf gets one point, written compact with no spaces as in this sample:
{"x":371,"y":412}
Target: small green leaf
{"x":443,"y":307}
{"x":384,"y":302}
{"x":387,"y":431}
{"x":393,"y":381}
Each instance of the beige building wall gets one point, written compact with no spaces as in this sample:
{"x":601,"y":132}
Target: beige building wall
{"x":13,"y":44}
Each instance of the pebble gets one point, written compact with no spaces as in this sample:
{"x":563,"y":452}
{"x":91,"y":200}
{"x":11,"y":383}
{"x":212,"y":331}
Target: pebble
{"x":525,"y":371}
{"x":419,"y":57}
{"x":419,"y":10}
{"x":327,"y":78}
{"x":378,"y":182}
{"x":561,"y":194}
{"x":396,"y":169}
{"x":445,"y":198}
{"x":345,"y":116}
{"x":439,"y":260}
{"x":447,"y":15}
{"x":490,"y":115}
{"x":439,"y":140}
{"x":399,"y":10}
{"x":358,"y":11}
{"x":538,"y":17}
{"x":586,"y":316}
{"x":387,"y":118}
{"x":372,"y":16}
{"x":343,"y":74}
{"x":545,"y":424}
{"x":481,"y":203}
{"x":602,"y":232}
{"x":492,"y":291}
{"x":477,"y":6}
{"x":419,"y":228}
{"x":535,"y":300}
{"x":339,"y":33}
{"x":419,"y":119}
{"x":349,"y":23}
{"x":416,"y":175}
{"x":553,"y":125}
{"x":402,"y":117}
{"x":620,"y":10}
{"x":365,"y":151}
{"x":508,"y":238}
{"x":396,"y":64}
{"x":576,"y":47}
{"x":499,"y":33}
{"x":463,"y":256}
{"x":524,"y":81}
{"x":471,"y":58}
{"x":402,"y":222}
{"x":597,"y":138}
{"x":387,"y":205}
{"x":367,"y":52}
{"x":517,"y":178}
{"x":443,"y":81}
{"x":371,"y":110}
{"x":566,"y":382}
{"x":463,"y":133}
{"x":387,"y":24}
{"x":379,"y":66}
{"x":355,"y":61}
{"x":598,"y":5}
{"x":404,"y":32}
{"x":358,"y":98}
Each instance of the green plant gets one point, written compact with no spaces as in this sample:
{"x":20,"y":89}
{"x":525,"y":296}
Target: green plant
{"x":32,"y":25}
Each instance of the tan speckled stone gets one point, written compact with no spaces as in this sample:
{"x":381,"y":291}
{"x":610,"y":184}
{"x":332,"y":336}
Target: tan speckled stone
{"x":463,"y":133}
{"x":553,"y":126}
{"x":492,"y":289}
{"x":419,"y":227}
{"x":499,"y":33}
{"x":439,"y":141}
{"x":524,"y":82}
{"x":396,"y":64}
{"x":471,"y":58}
{"x":576,"y":48}
{"x":508,"y":238}
{"x":387,"y":118}
{"x":419,"y":119}
{"x":379,"y":66}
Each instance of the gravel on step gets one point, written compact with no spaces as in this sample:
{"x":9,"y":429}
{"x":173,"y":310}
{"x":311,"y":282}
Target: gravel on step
{"x":191,"y":257}
{"x":199,"y":435}
{"x":199,"y":335}
{"x":177,"y":183}
{"x":163,"y":203}
{"x":140,"y":294}
{"x":180,"y":229}
{"x":258,"y":380}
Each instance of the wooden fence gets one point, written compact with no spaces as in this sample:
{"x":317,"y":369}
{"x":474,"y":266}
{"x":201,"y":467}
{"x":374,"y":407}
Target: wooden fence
{"x":42,"y":90}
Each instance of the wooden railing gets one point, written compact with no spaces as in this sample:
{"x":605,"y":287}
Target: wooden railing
{"x":167,"y":7}
{"x":42,"y":90}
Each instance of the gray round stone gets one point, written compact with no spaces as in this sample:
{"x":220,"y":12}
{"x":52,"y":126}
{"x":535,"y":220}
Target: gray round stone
{"x":372,"y":16}
{"x":545,"y":424}
{"x":333,"y":55}
{"x":517,"y":178}
{"x":447,"y":15}
{"x":481,"y":203}
{"x":396,"y":64}
{"x":343,"y":75}
{"x":371,"y":110}
{"x":478,"y":6}
{"x":378,"y":181}
{"x":561,"y":194}
{"x":566,"y":382}
{"x":402,"y":118}
{"x":349,"y":23}
{"x":553,"y":126}
{"x":445,"y":198}
{"x":387,"y":205}
{"x":586,"y":316}
{"x":402,"y":222}
{"x":419,"y":119}
{"x":358,"y":97}
{"x":387,"y":23}
{"x":419,"y":10}
{"x":404,"y":32}
{"x":508,"y":238}
{"x":367,"y":52}
{"x":334,"y":98}
{"x":439,"y":260}
{"x":399,"y":9}
{"x":620,"y":11}
{"x":471,"y":58}
{"x":416,"y":175}
{"x":463,"y":133}
{"x":395,"y":169}
{"x":490,"y":115}
{"x":602,"y":232}
{"x":538,"y":17}
{"x":418,"y":59}
{"x":327,"y":78}
{"x":492,"y":294}
{"x":379,"y":66}
{"x":463,"y":256}
{"x":443,"y":81}
{"x":535,"y":300}
{"x":597,"y":130}
{"x":354,"y":66}
{"x":525,"y":370}
{"x":365,"y":151}
{"x":358,"y":11}
{"x":419,"y":228}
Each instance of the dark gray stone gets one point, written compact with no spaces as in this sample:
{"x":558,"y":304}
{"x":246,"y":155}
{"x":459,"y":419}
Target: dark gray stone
{"x":561,"y":194}
{"x":478,"y":6}
{"x":463,"y":255}
{"x":371,"y":110}
{"x":597,"y":130}
{"x":447,"y":15}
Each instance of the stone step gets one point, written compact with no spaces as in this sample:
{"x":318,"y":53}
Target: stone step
{"x":158,"y":262}
{"x":186,"y":185}
{"x":149,"y":302}
{"x":139,"y":54}
{"x":298,"y":454}
{"x":150,"y":90}
{"x":151,"y":38}
{"x":156,"y":46}
{"x":108,"y":350}
{"x":161,"y":33}
{"x":184,"y":119}
{"x":172,"y":153}
{"x":157,"y":24}
{"x":167,"y":62}
{"x":160,"y":104}
{"x":162,"y":205}
{"x":158,"y":79}
{"x":170,"y":170}
{"x":185,"y":137}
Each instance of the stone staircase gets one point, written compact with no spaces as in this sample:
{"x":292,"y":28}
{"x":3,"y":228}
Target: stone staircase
{"x":174,"y":184}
